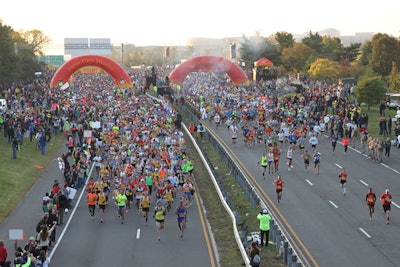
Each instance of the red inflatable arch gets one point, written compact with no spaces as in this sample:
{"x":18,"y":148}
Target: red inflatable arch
{"x":208,"y":64}
{"x":119,"y":75}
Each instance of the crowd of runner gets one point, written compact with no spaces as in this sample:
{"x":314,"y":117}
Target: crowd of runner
{"x":139,"y":153}
{"x":137,"y":149}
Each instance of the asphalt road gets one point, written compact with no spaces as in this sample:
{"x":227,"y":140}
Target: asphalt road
{"x":86,"y":242}
{"x":334,"y":229}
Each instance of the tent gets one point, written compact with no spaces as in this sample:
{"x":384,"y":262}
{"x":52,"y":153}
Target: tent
{"x":263,"y":62}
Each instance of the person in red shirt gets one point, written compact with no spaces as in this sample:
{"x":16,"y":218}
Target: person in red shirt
{"x":345,"y":142}
{"x":343,"y":180}
{"x":386,"y":199}
{"x":276,"y":151}
{"x":278,"y":182}
{"x":3,"y":253}
{"x":370,"y":199}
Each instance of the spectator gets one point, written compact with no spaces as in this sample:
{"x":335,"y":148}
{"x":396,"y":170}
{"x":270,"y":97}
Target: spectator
{"x":3,"y":254}
{"x":254,"y":255}
{"x":15,"y":146}
{"x":264,"y":219}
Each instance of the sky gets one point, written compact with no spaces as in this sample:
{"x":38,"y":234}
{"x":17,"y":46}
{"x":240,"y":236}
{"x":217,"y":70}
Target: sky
{"x":169,"y":23}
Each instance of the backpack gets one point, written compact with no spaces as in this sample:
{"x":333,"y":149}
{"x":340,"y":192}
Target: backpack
{"x":256,"y":259}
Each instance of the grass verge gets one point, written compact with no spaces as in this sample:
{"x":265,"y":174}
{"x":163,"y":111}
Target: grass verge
{"x":18,"y":175}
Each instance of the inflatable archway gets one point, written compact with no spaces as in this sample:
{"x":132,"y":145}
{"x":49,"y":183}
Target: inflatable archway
{"x":208,"y":64}
{"x":119,"y":75}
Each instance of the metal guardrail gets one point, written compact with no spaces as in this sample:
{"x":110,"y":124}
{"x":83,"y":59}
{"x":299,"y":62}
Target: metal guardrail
{"x":286,"y":246}
{"x":290,"y":256}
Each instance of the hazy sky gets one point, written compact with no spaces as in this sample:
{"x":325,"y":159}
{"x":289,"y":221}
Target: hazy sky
{"x":171,"y":22}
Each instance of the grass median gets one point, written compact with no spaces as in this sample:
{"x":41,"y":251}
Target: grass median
{"x":18,"y":175}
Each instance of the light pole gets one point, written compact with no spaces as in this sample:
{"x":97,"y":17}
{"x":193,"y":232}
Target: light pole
{"x":122,"y":55}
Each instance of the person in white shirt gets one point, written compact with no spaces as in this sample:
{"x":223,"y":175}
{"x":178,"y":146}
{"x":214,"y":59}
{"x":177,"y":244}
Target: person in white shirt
{"x":313,"y":141}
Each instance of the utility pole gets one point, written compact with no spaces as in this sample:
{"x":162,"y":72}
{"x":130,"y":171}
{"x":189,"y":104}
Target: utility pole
{"x":122,"y":55}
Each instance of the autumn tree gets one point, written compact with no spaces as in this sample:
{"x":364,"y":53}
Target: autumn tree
{"x":295,"y":58}
{"x":394,"y":79}
{"x":323,"y":69}
{"x":36,"y":39}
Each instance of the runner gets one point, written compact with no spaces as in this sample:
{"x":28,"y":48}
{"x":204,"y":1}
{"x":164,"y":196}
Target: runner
{"x":370,"y":199}
{"x":345,"y":142}
{"x":264,"y":164}
{"x":217,"y":119}
{"x":121,"y":200}
{"x":334,"y":139}
{"x":168,"y":196}
{"x":277,"y":153}
{"x":270,"y":157}
{"x":159,"y":215}
{"x":234,"y":133}
{"x":278,"y":182}
{"x":92,"y":197}
{"x":289,"y":156}
{"x":313,"y":141}
{"x":302,"y":142}
{"x":317,"y":160}
{"x":386,"y":199}
{"x":181,"y":211}
{"x":145,"y":203}
{"x":102,"y":202}
{"x":306,"y":159}
{"x":343,"y":180}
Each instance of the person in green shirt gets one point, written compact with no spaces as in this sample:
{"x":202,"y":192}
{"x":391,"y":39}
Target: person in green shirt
{"x":265,"y":220}
{"x":121,"y":202}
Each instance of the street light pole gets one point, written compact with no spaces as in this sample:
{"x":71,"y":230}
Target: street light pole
{"x":122,"y":55}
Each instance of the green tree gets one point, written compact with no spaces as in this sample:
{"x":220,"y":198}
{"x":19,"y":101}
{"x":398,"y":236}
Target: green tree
{"x":295,"y":58}
{"x":385,"y":50}
{"x":351,"y":53}
{"x":370,"y":89}
{"x":324,"y":69}
{"x":284,"y":39}
{"x":366,"y":50}
{"x":314,"y":41}
{"x":8,"y":58}
{"x":332,"y":48}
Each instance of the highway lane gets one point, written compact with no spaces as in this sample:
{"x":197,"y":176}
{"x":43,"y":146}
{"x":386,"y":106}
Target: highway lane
{"x":83,"y":242}
{"x":335,"y":229}
{"x":92,"y":243}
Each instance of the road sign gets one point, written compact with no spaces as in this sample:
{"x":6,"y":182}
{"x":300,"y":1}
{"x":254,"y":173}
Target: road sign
{"x":56,"y":61}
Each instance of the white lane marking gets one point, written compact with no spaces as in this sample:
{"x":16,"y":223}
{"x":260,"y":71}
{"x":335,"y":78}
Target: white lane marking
{"x":396,"y":205}
{"x":337,"y":165}
{"x":364,"y":183}
{"x":390,"y":168}
{"x":333,"y":204}
{"x":364,"y":232}
{"x":137,"y":233}
{"x":309,"y":182}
